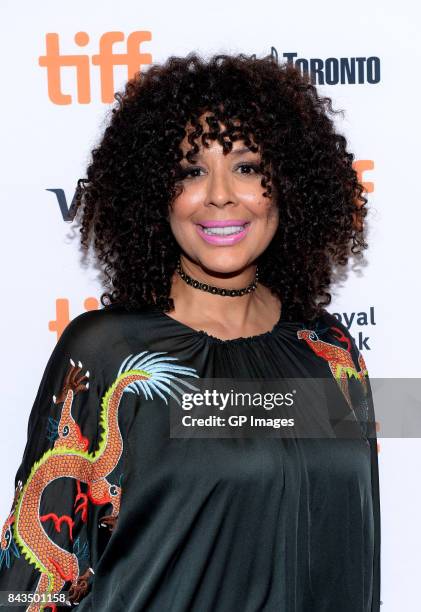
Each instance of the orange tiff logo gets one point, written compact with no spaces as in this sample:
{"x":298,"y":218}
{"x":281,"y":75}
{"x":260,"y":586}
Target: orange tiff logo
{"x":106,"y":59}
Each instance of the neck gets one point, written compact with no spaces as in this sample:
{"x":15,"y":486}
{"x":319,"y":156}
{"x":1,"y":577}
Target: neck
{"x":201,"y":306}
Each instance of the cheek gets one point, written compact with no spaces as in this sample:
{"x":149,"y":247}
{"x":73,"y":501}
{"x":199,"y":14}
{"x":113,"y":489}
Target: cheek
{"x":180,"y":209}
{"x":192,"y":196}
{"x":251,"y":196}
{"x":267,"y":221}
{"x":265,"y":210}
{"x":180,"y":215}
{"x":273,"y":212}
{"x":186,"y":204}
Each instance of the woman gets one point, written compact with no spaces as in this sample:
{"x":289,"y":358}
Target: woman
{"x":219,"y":201}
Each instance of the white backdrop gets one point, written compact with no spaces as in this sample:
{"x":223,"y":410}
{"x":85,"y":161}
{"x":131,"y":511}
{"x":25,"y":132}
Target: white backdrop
{"x":46,"y":140}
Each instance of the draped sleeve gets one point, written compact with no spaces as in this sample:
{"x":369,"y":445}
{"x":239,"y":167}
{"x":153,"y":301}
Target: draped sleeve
{"x":370,"y":420}
{"x":363,"y":405}
{"x":67,"y":488}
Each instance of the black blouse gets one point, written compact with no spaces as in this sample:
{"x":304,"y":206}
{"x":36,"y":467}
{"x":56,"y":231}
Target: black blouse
{"x":109,"y":506}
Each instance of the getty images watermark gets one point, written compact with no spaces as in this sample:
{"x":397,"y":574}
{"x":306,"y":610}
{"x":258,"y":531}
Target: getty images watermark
{"x":347,"y":407}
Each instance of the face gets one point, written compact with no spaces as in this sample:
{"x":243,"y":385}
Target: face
{"x":221,"y":220}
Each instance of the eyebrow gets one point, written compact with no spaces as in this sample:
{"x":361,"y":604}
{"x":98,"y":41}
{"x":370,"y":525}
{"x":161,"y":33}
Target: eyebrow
{"x":241,"y":151}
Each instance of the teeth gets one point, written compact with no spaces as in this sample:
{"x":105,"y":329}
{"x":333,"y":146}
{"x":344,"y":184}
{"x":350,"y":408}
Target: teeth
{"x":224,"y":231}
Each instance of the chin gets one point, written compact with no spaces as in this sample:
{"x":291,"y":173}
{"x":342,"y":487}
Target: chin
{"x":223,"y":265}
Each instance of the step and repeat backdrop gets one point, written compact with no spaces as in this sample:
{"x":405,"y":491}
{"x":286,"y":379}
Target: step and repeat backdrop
{"x":61,"y":65}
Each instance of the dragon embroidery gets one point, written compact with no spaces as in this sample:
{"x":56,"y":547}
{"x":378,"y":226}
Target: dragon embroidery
{"x":343,"y":368}
{"x":144,"y":373}
{"x":339,"y":359}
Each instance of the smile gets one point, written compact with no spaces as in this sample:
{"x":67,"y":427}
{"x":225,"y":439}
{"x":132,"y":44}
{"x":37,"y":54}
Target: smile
{"x":223,"y":233}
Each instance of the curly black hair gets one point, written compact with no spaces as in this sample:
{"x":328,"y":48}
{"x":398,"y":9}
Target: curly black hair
{"x":134,"y":176}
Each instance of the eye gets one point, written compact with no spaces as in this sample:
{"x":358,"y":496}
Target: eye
{"x":113,"y":490}
{"x":65,"y":431}
{"x":254,"y":168}
{"x":189,"y":172}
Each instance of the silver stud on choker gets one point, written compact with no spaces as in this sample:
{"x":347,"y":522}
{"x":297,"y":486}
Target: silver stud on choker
{"x":217,"y":290}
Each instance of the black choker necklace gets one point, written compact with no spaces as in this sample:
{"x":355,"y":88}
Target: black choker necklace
{"x":216,"y":290}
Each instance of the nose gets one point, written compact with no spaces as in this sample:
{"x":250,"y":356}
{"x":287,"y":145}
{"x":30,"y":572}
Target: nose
{"x":219,"y":191}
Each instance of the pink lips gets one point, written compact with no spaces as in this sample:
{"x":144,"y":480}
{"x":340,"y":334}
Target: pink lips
{"x":223,"y":240}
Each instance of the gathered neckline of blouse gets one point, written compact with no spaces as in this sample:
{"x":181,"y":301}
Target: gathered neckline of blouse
{"x":229,"y":341}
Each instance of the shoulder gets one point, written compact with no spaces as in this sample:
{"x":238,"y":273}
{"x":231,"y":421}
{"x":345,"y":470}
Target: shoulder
{"x":106,"y":320}
{"x":337,"y":333}
{"x":91,"y":333}
{"x":95,"y":332}
{"x":330,"y":320}
{"x":89,"y":326}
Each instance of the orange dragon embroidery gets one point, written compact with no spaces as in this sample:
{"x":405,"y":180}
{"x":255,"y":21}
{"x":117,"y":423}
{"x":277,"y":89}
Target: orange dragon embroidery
{"x":145,"y":373}
{"x":339,"y":359}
